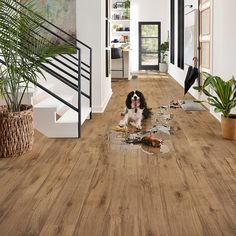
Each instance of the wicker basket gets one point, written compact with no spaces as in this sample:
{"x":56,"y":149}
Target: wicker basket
{"x":16,"y":131}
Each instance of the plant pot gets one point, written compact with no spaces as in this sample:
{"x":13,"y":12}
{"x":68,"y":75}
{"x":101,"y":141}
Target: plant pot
{"x":163,"y":67}
{"x":16,"y":131}
{"x":228,"y":126}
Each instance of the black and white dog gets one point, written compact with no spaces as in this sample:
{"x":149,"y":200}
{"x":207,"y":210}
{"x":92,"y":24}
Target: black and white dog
{"x":136,"y":110}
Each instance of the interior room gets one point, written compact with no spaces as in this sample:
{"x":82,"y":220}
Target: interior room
{"x":117,"y":118}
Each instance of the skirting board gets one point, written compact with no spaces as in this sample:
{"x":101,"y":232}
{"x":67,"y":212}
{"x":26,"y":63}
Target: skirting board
{"x":190,"y":105}
{"x":102,"y":108}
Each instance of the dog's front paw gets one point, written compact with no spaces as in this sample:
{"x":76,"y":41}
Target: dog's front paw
{"x":137,"y":126}
{"x":122,"y":123}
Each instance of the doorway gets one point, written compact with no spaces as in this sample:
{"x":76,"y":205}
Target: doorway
{"x":149,"y":44}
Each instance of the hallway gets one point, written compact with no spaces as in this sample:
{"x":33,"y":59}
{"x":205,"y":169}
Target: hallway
{"x":99,"y":186}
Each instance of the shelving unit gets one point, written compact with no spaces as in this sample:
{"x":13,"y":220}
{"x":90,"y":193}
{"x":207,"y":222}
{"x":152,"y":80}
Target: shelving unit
{"x":120,"y":37}
{"x":120,"y":22}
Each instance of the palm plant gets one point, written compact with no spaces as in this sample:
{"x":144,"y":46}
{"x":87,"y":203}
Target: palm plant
{"x":22,"y":50}
{"x":224,"y":99}
{"x":164,"y":48}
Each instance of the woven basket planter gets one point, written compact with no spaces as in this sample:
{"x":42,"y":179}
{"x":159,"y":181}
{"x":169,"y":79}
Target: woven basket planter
{"x":16,"y":131}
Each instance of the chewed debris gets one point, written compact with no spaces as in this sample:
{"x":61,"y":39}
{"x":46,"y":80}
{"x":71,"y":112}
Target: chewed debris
{"x":148,"y":144}
{"x":166,"y":117}
{"x":172,"y":105}
{"x":123,"y":129}
{"x":160,"y":128}
{"x":149,"y":140}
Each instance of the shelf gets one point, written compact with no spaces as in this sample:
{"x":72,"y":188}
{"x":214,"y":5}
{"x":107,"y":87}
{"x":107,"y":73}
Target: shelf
{"x":120,"y":21}
{"x":119,"y":9}
{"x":121,"y":43}
{"x":120,"y":32}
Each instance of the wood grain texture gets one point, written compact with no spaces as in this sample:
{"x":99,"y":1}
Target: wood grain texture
{"x":97,"y":187}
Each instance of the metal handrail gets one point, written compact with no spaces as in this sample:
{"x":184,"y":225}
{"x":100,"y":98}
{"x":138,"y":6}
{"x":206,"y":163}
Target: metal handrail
{"x":48,"y":91}
{"x":77,"y":62}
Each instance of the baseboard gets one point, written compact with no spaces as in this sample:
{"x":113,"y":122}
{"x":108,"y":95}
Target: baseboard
{"x":191,"y":91}
{"x":217,"y":116}
{"x":102,"y":108}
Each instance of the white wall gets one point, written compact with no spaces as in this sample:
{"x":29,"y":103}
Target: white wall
{"x":147,"y":10}
{"x":91,"y":30}
{"x":177,"y":73}
{"x":224,"y":46}
{"x":224,"y":39}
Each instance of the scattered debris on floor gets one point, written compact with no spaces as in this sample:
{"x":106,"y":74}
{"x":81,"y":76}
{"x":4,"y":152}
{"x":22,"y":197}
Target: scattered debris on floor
{"x":121,"y":142}
{"x":118,"y":128}
{"x":150,"y":141}
{"x":172,"y":105}
{"x":164,"y":117}
{"x":166,"y":129}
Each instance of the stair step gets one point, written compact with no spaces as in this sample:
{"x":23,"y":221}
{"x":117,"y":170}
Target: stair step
{"x":71,"y":116}
{"x":39,"y":94}
{"x":52,"y":102}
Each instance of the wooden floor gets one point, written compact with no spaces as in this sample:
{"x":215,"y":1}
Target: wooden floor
{"x":98,"y":186}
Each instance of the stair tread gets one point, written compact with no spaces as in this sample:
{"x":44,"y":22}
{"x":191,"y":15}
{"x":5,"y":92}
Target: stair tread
{"x":53,"y":102}
{"x":36,"y":89}
{"x":71,"y":116}
{"x":46,"y":85}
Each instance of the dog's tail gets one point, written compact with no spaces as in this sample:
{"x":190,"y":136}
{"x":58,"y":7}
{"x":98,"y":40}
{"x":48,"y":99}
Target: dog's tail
{"x":147,"y":112}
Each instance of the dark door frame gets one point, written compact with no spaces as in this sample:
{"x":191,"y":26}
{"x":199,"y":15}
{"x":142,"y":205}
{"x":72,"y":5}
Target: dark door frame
{"x":181,"y":33}
{"x":172,"y":32}
{"x":150,"y":67}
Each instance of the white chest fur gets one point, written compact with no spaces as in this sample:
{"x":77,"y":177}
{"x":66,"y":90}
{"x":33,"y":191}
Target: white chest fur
{"x":135,"y":116}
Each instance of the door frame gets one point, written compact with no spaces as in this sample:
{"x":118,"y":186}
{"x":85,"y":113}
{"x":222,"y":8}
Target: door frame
{"x":205,"y":34}
{"x":150,"y":67}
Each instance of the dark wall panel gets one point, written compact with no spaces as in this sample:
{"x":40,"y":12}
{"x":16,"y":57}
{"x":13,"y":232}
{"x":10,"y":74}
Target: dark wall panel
{"x":181,"y":34}
{"x":172,"y":31}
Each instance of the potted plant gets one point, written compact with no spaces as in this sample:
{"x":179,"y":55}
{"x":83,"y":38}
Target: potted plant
{"x":164,"y":48}
{"x":224,"y":100}
{"x":127,"y":4}
{"x":21,"y":54}
{"x":126,"y":12}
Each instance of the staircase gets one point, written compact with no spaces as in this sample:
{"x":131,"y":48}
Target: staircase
{"x":52,"y":117}
{"x":63,"y":102}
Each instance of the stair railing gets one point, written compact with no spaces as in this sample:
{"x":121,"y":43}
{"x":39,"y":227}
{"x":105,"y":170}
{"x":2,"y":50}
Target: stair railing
{"x":83,"y":69}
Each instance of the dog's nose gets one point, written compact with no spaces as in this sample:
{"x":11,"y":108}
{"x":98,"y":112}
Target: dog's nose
{"x":135,"y":98}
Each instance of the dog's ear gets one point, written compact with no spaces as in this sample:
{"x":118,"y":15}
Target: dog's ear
{"x":128,"y":100}
{"x":143,"y":103}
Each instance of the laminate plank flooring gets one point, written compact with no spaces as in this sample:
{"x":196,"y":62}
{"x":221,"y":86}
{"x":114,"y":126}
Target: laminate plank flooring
{"x":98,"y":186}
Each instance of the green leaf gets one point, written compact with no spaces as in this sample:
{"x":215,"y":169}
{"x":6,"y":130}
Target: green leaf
{"x":198,"y":88}
{"x":223,"y":96}
{"x":217,"y":110}
{"x":22,"y":49}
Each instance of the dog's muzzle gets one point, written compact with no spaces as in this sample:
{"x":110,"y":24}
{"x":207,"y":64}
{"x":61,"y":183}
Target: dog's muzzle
{"x":135,"y":102}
